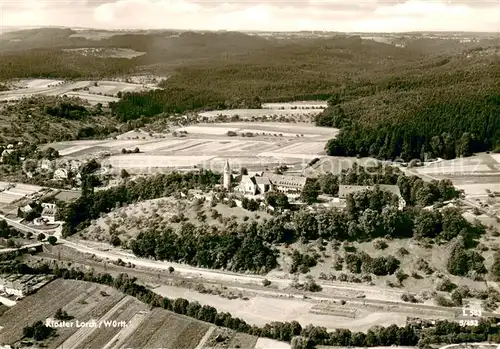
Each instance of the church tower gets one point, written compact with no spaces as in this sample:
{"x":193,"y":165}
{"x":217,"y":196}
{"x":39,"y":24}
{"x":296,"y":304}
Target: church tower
{"x":226,"y":183}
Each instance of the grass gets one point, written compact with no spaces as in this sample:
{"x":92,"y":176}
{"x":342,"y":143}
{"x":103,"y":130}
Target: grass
{"x":132,"y":219}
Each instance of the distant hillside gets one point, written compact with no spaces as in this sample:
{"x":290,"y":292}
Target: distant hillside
{"x":29,"y":52}
{"x":44,"y":119}
{"x":304,"y":69}
{"x":40,"y":52}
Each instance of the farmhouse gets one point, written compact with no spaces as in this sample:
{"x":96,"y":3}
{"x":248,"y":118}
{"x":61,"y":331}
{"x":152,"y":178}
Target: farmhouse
{"x":345,"y":190}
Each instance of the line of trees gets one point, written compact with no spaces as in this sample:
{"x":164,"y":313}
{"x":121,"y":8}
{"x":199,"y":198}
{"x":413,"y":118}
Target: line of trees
{"x":409,"y":335}
{"x":241,"y":250}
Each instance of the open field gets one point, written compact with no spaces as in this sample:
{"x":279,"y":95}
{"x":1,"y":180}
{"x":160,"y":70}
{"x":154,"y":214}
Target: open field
{"x":208,"y":146}
{"x":104,"y":92}
{"x":12,"y":192}
{"x":272,"y":110}
{"x":264,"y":112}
{"x":260,"y":310}
{"x":162,"y":329}
{"x":266,"y":343}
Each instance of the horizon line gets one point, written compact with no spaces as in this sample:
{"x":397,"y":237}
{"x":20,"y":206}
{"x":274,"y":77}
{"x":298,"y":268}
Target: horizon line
{"x":243,"y":30}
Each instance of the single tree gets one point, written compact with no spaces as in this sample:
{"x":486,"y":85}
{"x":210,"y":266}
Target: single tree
{"x":124,"y":174}
{"x":310,"y":191}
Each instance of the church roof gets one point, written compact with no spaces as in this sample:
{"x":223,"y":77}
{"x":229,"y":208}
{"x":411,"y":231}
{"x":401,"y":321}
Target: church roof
{"x":286,"y":181}
{"x":262,"y":180}
{"x":246,"y":178}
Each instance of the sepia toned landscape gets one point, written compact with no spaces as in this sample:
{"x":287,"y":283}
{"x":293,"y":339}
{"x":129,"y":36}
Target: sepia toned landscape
{"x":203,"y":189}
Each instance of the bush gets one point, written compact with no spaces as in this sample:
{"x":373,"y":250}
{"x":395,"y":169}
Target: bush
{"x":456,"y":297}
{"x":401,"y":276}
{"x":443,"y":302}
{"x":266,"y":282}
{"x":38,"y":331}
{"x":52,"y":240}
{"x":115,"y":241}
{"x":408,"y":297}
{"x":40,"y":237}
{"x":422,"y":265}
{"x":445,"y":285}
{"x":62,"y":315}
{"x":402,"y":252}
{"x":380,"y":244}
{"x":311,"y":286}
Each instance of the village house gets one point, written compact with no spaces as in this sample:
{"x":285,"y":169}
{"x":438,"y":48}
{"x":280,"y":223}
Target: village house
{"x":49,"y":212}
{"x":61,"y":174}
{"x":345,"y":190}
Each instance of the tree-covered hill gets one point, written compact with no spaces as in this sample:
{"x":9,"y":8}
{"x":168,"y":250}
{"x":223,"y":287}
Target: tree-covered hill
{"x":43,"y":119}
{"x":41,"y":52}
{"x":447,"y":110}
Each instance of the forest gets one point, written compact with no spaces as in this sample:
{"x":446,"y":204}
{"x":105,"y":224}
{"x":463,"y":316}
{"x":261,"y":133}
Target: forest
{"x":422,"y":121}
{"x":413,"y":102}
{"x":45,"y":119}
{"x":310,"y":336}
{"x":414,"y":190}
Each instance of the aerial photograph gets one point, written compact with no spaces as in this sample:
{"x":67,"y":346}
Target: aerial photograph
{"x":205,"y":174}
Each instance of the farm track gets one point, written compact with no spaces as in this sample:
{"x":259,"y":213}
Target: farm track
{"x":206,"y":337}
